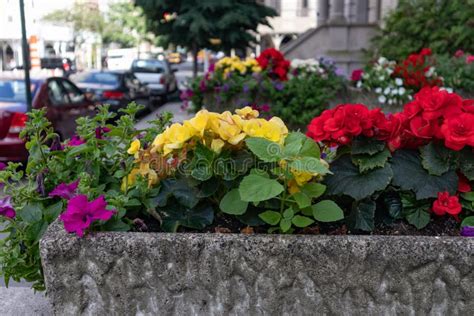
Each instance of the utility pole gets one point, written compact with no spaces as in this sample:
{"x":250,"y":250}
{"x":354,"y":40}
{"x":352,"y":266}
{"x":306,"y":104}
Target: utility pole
{"x":26,"y":58}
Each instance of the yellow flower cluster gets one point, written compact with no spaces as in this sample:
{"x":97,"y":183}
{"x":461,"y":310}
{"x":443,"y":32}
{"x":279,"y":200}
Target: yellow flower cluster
{"x":300,"y":178}
{"x":235,"y":64}
{"x":218,"y":130}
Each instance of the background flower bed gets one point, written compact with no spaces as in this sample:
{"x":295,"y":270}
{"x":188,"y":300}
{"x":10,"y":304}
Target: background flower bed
{"x":295,"y":93}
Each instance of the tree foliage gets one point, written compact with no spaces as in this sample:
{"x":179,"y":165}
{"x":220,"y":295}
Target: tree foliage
{"x":443,"y":25}
{"x":197,"y":24}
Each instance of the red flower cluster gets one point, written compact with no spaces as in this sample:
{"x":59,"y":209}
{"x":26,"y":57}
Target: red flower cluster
{"x":434,"y":114}
{"x":446,"y":204}
{"x":415,"y":71}
{"x":357,"y":74}
{"x":275,"y":62}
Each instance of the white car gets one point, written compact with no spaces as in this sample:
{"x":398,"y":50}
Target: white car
{"x":157,"y":75}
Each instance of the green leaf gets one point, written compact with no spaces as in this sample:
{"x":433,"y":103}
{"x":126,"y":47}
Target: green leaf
{"x":468,"y":196}
{"x":232,"y":204}
{"x":288,"y":213}
{"x":419,"y":218}
{"x":468,"y":221}
{"x":309,"y":164}
{"x":302,"y":200}
{"x":31,"y":213}
{"x":437,"y":159}
{"x":293,"y":144}
{"x":201,"y":165}
{"x":270,"y":217}
{"x":182,"y":191}
{"x":366,"y":145}
{"x":310,"y":149}
{"x":259,"y":172}
{"x":77,"y":150}
{"x":393,"y":204}
{"x":466,"y":163}
{"x":327,"y":211}
{"x":116,"y":225}
{"x":362,"y":216}
{"x":176,"y":215}
{"x":367,"y":162}
{"x":409,"y":174}
{"x":285,"y":224}
{"x":264,"y":149}
{"x":52,"y":212}
{"x":255,"y":188}
{"x":301,"y":221}
{"x":346,"y":179}
{"x":313,"y":190}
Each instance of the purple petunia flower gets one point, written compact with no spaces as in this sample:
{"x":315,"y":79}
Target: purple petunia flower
{"x":2,"y":166}
{"x":264,"y":108}
{"x":278,"y":85}
{"x":6,"y":208}
{"x":75,"y":141}
{"x":100,"y":131}
{"x":245,"y":88}
{"x":65,"y":191}
{"x":225,"y":87}
{"x":80,"y":213}
{"x":467,"y":231}
{"x":56,"y":144}
{"x":202,"y":86}
{"x":212,"y":67}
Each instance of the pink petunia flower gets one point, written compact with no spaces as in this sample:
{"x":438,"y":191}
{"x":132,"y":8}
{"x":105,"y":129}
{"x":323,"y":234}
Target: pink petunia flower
{"x":6,"y":208}
{"x":469,"y":59}
{"x":100,"y":131}
{"x":2,"y":166}
{"x":75,"y":141}
{"x":81,"y":213}
{"x":65,"y":191}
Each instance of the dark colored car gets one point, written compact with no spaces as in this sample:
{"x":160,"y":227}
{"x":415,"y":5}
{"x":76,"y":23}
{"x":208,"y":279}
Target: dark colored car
{"x":64,"y":64}
{"x":64,"y":101}
{"x":116,"y":88}
{"x":157,"y":74}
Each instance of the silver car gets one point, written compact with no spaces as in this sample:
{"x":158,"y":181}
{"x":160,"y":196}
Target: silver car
{"x":157,"y":75}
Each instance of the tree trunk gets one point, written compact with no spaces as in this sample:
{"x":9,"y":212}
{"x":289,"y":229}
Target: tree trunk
{"x":195,"y":60}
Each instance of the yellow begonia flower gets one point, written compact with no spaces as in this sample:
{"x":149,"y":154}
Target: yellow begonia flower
{"x":134,"y":147}
{"x":228,"y":129}
{"x":217,"y":145}
{"x":129,"y":180}
{"x":301,"y":177}
{"x":293,"y":187}
{"x":247,"y":112}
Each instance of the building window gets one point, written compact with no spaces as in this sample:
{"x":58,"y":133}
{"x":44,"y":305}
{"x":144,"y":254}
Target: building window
{"x":303,"y":8}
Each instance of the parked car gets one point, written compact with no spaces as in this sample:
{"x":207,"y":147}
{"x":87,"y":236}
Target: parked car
{"x":157,"y":74}
{"x":64,"y":101}
{"x":116,"y":88}
{"x":64,"y":64}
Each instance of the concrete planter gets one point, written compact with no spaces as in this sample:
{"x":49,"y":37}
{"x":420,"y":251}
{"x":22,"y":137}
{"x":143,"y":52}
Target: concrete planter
{"x":220,"y":274}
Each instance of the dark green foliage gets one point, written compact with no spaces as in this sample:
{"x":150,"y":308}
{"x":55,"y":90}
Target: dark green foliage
{"x":192,"y":23}
{"x":442,"y":25}
{"x":305,"y":97}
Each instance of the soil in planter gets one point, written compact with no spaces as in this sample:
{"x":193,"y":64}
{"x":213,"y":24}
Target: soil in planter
{"x":439,"y":226}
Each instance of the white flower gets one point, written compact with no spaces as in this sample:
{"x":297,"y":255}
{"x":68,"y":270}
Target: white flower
{"x":386,"y":91}
{"x":399,"y":82}
{"x":378,"y":90}
{"x":382,"y":60}
{"x":401,"y":91}
{"x":382,"y":99}
{"x":381,"y":78}
{"x":410,"y":97}
{"x":449,"y":90}
{"x":390,"y":101}
{"x":359,"y":84}
{"x":389,"y":71}
{"x":394,"y":92}
{"x":430,"y":72}
{"x":365,"y":75}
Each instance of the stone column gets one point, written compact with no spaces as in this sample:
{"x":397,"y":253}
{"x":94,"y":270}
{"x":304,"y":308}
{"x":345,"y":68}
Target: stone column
{"x":323,"y":11}
{"x":337,"y":12}
{"x":362,"y":11}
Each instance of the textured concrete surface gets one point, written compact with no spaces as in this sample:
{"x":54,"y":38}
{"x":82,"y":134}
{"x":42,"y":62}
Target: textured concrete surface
{"x":21,"y":301}
{"x":225,"y":274}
